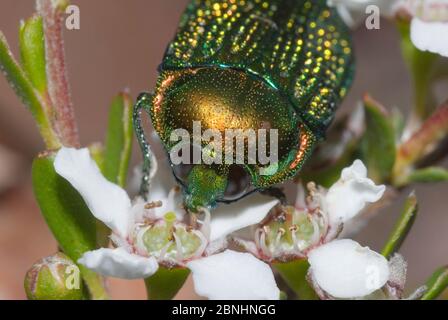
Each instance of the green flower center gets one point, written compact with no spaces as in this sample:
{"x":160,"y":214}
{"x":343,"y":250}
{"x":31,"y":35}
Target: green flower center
{"x":290,"y":231}
{"x":169,"y":240}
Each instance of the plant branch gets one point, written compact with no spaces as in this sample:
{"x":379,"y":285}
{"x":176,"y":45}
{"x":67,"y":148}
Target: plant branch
{"x":58,"y":85}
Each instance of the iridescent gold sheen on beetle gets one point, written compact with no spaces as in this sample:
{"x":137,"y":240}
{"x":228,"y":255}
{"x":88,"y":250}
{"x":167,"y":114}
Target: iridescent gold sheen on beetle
{"x":251,"y":64}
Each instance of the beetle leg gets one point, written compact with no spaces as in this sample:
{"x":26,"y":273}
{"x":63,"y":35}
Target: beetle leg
{"x":144,"y":102}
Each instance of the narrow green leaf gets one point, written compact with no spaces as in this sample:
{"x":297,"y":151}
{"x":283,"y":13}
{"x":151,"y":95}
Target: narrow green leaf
{"x":119,"y":140}
{"x":378,"y":143}
{"x":97,"y":153}
{"x":430,"y":174}
{"x":25,"y":90}
{"x":294,"y":273}
{"x":436,"y":284}
{"x":64,"y":210}
{"x":402,"y":227}
{"x":32,"y":52}
{"x":420,"y":64}
{"x":68,"y":218}
{"x":165,"y":283}
{"x":421,"y":144}
{"x":398,"y":123}
{"x":283,"y":296}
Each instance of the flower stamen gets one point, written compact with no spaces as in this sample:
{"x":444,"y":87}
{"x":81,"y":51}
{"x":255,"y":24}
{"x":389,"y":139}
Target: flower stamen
{"x":153,"y":205}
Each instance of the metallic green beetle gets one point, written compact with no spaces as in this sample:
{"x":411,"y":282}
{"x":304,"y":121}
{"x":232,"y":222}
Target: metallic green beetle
{"x":249,"y":64}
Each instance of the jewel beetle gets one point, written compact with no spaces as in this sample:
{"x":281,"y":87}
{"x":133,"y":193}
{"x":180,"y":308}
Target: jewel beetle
{"x":248,"y":65}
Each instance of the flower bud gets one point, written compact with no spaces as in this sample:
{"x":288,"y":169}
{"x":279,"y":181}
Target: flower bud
{"x":54,"y":278}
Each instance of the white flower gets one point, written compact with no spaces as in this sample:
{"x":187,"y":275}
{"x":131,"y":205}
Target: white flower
{"x":430,"y":36}
{"x":429,"y":24}
{"x":119,"y":263}
{"x":238,"y":215}
{"x":142,"y":245}
{"x":107,"y":201}
{"x":349,"y":195}
{"x":290,"y":232}
{"x":344,"y":269}
{"x":233,"y":275}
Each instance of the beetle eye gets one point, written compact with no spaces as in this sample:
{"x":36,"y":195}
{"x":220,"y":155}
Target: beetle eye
{"x":238,"y":183}
{"x":182,"y":170}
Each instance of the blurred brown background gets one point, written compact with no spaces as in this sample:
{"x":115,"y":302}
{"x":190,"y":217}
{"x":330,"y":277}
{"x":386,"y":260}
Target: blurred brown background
{"x":120,"y":45}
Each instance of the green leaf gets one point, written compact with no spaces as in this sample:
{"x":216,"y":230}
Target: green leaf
{"x":68,"y":218}
{"x":378,"y":143}
{"x":30,"y":97}
{"x":420,"y":64}
{"x":283,"y":296}
{"x":398,"y":123}
{"x":97,"y":153}
{"x":119,"y":140}
{"x":294,"y":273}
{"x":32,"y":52}
{"x":436,"y":284}
{"x":402,"y":227}
{"x":426,"y":140}
{"x":430,"y":174}
{"x":165,"y":283}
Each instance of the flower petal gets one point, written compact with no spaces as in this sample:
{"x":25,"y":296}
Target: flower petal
{"x":107,"y":201}
{"x":344,"y":269}
{"x":233,"y":275}
{"x":348,"y":196}
{"x":430,"y":36}
{"x":119,"y":263}
{"x":162,"y":180}
{"x":172,"y":203}
{"x":240,"y":214}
